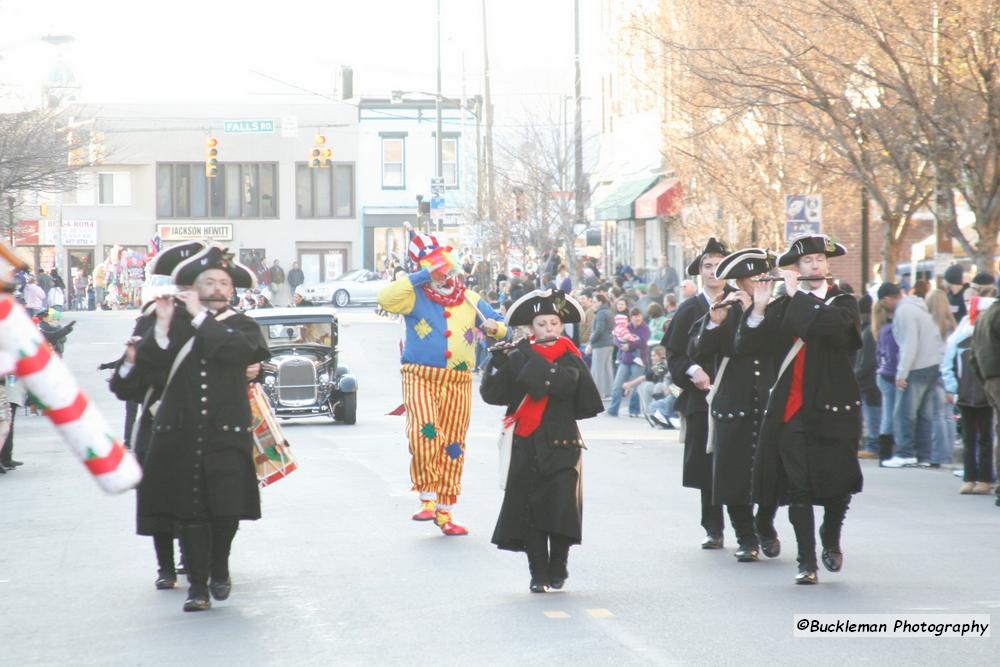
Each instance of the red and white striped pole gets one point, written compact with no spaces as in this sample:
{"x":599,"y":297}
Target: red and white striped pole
{"x":24,"y":351}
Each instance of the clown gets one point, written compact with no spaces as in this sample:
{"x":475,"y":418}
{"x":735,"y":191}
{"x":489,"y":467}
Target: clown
{"x":438,"y":358}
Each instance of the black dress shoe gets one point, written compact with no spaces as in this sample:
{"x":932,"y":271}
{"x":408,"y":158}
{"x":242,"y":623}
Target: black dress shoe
{"x":771,"y":547}
{"x":833,"y":559}
{"x":220,"y":589}
{"x":197,"y":602}
{"x":538,"y":586}
{"x":166,"y":581}
{"x":806,"y":577}
{"x":712,"y":542}
{"x":10,"y":465}
{"x":3,"y":471}
{"x":746,"y":554}
{"x":558,"y":574}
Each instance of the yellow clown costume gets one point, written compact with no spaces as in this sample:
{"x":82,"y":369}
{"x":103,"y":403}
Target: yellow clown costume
{"x":437,"y":362}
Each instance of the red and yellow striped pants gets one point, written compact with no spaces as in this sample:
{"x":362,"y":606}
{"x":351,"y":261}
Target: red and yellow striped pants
{"x":438,"y":402}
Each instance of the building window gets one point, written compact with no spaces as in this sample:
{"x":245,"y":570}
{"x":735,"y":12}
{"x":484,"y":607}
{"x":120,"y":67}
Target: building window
{"x":324,"y":192}
{"x":83,"y":195}
{"x":240,"y":190}
{"x":113,"y":189}
{"x":393,"y":156}
{"x":449,"y":161}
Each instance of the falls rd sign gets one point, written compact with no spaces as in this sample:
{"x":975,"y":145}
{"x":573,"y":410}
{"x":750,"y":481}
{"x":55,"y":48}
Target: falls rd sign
{"x":248,"y":127}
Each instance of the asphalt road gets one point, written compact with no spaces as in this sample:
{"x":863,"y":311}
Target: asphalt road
{"x":336,"y":573}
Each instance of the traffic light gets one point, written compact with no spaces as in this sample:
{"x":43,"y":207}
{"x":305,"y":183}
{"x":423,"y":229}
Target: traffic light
{"x":77,"y":156}
{"x":211,"y":157}
{"x":43,"y":210}
{"x":320,"y":154}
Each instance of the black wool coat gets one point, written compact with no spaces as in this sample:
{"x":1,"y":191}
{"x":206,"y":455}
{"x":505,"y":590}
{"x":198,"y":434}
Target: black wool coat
{"x":199,"y":462}
{"x":681,"y":355}
{"x":831,"y":399}
{"x":543,"y":489}
{"x":737,"y":409}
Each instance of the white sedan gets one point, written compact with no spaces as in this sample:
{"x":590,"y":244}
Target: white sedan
{"x":358,"y":286}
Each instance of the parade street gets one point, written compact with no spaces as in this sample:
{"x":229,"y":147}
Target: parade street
{"x":336,"y":572}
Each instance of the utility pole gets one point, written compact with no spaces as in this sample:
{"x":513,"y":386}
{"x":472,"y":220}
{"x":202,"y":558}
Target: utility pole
{"x":438,"y":166}
{"x":491,"y":202}
{"x":478,"y":102}
{"x":578,"y":117}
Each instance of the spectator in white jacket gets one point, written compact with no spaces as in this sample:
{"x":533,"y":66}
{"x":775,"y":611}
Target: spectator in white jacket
{"x":965,"y":389}
{"x":57,"y":298}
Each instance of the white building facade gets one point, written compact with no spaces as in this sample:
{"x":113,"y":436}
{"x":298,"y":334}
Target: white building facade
{"x":397,"y":153}
{"x":265,"y":201}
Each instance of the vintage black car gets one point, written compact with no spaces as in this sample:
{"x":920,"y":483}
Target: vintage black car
{"x":303,"y":379}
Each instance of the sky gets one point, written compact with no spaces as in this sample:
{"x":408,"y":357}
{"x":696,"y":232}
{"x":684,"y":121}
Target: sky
{"x":218,"y":50}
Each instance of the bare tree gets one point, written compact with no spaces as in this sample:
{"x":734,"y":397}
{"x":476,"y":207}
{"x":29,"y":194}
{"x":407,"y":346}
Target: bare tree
{"x":799,"y":67}
{"x":535,"y":172}
{"x":35,"y":148}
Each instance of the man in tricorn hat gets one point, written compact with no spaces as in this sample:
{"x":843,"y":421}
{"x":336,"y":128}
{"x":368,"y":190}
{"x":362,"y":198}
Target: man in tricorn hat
{"x":693,"y":373}
{"x":736,"y":405}
{"x":199,"y":472}
{"x":807,"y":445}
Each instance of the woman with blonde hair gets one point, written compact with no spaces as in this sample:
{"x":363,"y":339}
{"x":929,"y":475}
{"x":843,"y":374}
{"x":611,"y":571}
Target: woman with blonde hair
{"x":940,"y":309}
{"x":943,"y":442}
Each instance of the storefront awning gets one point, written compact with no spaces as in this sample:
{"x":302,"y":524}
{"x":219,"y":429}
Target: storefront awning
{"x":661,"y":200}
{"x":619,"y":204}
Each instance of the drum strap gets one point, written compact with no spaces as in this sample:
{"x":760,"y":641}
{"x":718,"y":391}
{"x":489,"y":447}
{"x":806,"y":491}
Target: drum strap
{"x":181,"y":356}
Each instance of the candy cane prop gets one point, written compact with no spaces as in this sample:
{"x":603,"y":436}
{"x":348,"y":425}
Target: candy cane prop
{"x":23,"y":350}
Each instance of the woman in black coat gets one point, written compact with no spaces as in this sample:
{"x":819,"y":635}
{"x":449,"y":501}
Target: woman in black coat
{"x":546,"y":388}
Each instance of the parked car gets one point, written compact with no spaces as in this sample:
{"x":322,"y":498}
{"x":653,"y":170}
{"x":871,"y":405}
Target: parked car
{"x":358,"y":286}
{"x":303,"y":378}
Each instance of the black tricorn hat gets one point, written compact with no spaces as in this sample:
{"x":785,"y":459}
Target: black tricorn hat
{"x":167,"y":260}
{"x":213,"y":257}
{"x":811,"y":245}
{"x":713,"y":247}
{"x":745,"y":263}
{"x":544,"y":302}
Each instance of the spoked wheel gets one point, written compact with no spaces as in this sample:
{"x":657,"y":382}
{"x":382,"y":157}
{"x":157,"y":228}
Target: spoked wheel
{"x":341,"y":298}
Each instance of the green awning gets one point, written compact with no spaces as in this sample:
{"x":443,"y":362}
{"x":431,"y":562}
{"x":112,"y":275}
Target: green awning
{"x":619,"y":204}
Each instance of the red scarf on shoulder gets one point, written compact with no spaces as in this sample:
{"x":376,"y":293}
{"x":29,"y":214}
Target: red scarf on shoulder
{"x":529,"y":414}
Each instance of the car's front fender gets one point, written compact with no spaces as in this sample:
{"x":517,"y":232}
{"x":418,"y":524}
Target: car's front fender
{"x":347,"y":383}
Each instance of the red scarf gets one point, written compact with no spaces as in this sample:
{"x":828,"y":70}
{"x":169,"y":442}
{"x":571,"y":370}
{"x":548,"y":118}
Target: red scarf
{"x":453,"y":299}
{"x":529,"y":414}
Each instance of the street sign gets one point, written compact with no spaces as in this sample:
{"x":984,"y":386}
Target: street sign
{"x":437,"y":185}
{"x":185,"y":232}
{"x":437,"y":203}
{"x":248,"y":127}
{"x":289,"y":126}
{"x":803,"y":215}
